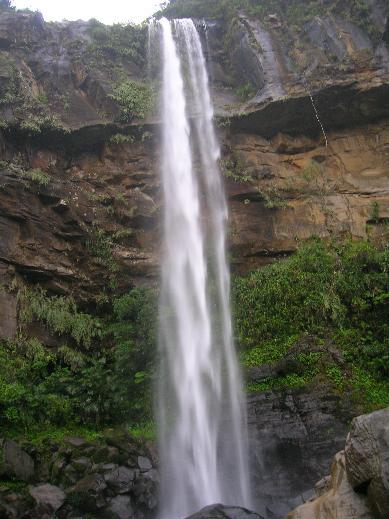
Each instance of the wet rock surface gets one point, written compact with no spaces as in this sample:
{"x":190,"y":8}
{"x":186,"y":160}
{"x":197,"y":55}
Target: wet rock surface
{"x":80,"y":478}
{"x":293,"y":436}
{"x":15,"y":462}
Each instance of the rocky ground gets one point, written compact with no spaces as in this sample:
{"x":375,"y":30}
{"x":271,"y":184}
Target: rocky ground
{"x":112,"y":477}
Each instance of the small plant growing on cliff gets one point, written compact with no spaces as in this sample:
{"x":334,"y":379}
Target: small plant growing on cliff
{"x":375,"y":212}
{"x":120,"y":138}
{"x":235,"y":169}
{"x":38,"y":176}
{"x":272,"y":197}
{"x":136,"y":100}
{"x":310,"y":171}
{"x":60,"y":314}
{"x":245,"y":92}
{"x":101,"y":246}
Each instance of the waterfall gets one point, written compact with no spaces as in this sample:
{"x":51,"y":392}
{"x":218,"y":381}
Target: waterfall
{"x":201,"y":411}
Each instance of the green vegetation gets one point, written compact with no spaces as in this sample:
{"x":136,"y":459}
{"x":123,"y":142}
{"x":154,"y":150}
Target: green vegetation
{"x":136,"y":100}
{"x":325,"y":297}
{"x":318,"y":318}
{"x":49,"y":389}
{"x":38,"y":176}
{"x":295,"y":12}
{"x":291,"y":15}
{"x":120,"y":138}
{"x":271,"y":194}
{"x":101,"y":245}
{"x":235,"y":168}
{"x":245,"y":92}
{"x":118,"y":41}
{"x":60,"y":314}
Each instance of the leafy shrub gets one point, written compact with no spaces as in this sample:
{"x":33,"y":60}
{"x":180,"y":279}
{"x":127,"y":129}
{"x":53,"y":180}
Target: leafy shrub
{"x":109,"y":385}
{"x":337,"y":293}
{"x":134,"y":332}
{"x":60,"y":314}
{"x":118,"y":40}
{"x":38,"y":176}
{"x":120,"y":138}
{"x":135,"y":99}
{"x":245,"y":92}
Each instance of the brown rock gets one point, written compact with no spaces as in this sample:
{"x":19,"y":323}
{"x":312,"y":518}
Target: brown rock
{"x":367,"y":459}
{"x":339,"y":502}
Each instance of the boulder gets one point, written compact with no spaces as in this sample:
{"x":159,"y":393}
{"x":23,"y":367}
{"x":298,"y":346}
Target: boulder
{"x":75,"y":441}
{"x":358,"y":487}
{"x":144,"y":463}
{"x":119,"y":508}
{"x":224,"y":512}
{"x":120,"y":480}
{"x":340,"y":501}
{"x":88,"y":493}
{"x":47,"y":497}
{"x":15,"y":462}
{"x":145,"y":490}
{"x":367,"y":459}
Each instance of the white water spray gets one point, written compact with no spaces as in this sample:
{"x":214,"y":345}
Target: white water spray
{"x":201,"y":406}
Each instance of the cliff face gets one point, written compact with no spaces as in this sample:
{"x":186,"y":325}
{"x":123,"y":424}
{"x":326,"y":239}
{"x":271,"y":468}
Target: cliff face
{"x":285,"y":182}
{"x":302,"y":112}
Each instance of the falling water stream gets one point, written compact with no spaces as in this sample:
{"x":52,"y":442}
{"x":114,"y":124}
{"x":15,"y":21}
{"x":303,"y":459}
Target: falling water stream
{"x":200,"y":402}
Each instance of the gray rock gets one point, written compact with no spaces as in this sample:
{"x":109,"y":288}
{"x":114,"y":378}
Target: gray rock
{"x":293,"y":436}
{"x":75,"y":441}
{"x":81,"y":464}
{"x":119,"y":508}
{"x":144,"y":463}
{"x":152,"y":475}
{"x":88,"y":493}
{"x":146,"y":491}
{"x":224,"y":512}
{"x":107,"y":467}
{"x":367,"y":459}
{"x":16,"y":463}
{"x":47,"y":497}
{"x":120,"y":480}
{"x":69,"y":476}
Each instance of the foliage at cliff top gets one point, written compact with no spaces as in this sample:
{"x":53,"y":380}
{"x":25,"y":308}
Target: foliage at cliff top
{"x":337,"y":296}
{"x":109,"y":42}
{"x":294,"y":12}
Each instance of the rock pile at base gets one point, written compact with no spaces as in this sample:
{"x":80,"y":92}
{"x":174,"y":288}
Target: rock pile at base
{"x":113,"y":478}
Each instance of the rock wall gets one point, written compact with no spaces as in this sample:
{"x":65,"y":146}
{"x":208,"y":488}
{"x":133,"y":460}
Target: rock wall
{"x":292,"y":435}
{"x":285,"y":179}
